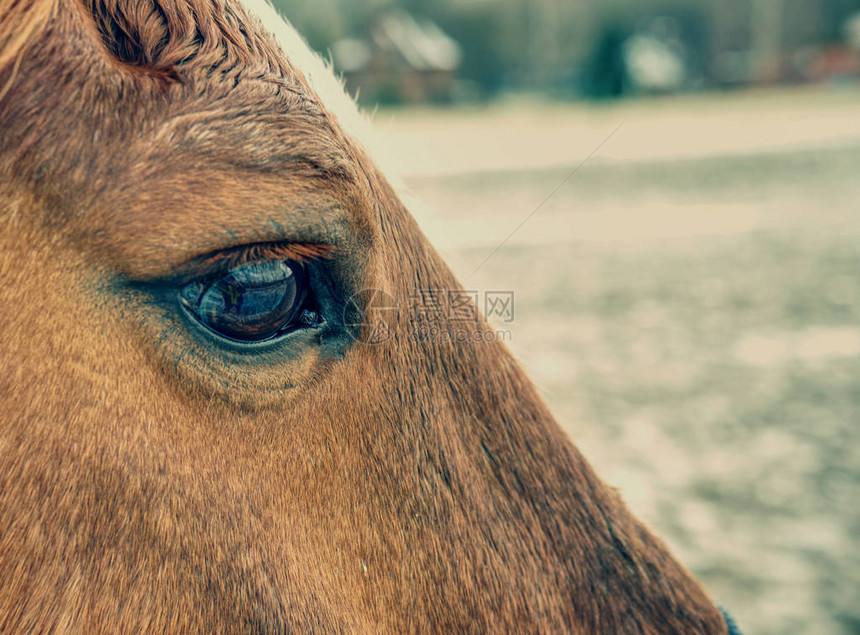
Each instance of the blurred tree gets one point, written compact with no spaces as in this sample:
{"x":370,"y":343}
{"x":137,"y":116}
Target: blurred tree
{"x":606,"y":76}
{"x":481,"y":29}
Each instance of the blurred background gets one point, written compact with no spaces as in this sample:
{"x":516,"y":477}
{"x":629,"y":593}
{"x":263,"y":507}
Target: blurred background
{"x":688,"y":300}
{"x":464,"y":51}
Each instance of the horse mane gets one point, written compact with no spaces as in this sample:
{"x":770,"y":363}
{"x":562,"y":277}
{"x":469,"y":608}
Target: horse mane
{"x":22,"y":21}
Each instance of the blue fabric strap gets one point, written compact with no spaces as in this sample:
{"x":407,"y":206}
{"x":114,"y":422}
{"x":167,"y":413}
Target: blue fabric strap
{"x":733,"y":627}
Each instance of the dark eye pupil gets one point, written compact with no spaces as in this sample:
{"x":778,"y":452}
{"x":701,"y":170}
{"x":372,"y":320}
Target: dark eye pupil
{"x":250,"y":303}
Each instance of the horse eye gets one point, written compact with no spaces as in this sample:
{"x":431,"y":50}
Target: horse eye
{"x":252,"y":302}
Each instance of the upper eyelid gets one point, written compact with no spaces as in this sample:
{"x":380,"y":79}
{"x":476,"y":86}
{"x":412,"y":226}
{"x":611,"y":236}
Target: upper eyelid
{"x":155,"y":238}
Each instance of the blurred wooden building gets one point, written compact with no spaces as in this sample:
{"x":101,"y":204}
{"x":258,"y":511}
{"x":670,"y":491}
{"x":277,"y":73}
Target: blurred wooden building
{"x":403,"y":59}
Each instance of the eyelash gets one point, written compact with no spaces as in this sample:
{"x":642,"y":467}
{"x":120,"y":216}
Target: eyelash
{"x":223,"y":260}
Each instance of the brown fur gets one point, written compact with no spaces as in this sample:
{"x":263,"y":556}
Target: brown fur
{"x":149,"y":483}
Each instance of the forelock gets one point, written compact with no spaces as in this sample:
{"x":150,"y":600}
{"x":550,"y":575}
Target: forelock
{"x":323,"y":81}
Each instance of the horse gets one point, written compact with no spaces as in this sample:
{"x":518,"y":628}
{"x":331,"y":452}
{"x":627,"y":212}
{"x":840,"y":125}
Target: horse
{"x":216,"y":413}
